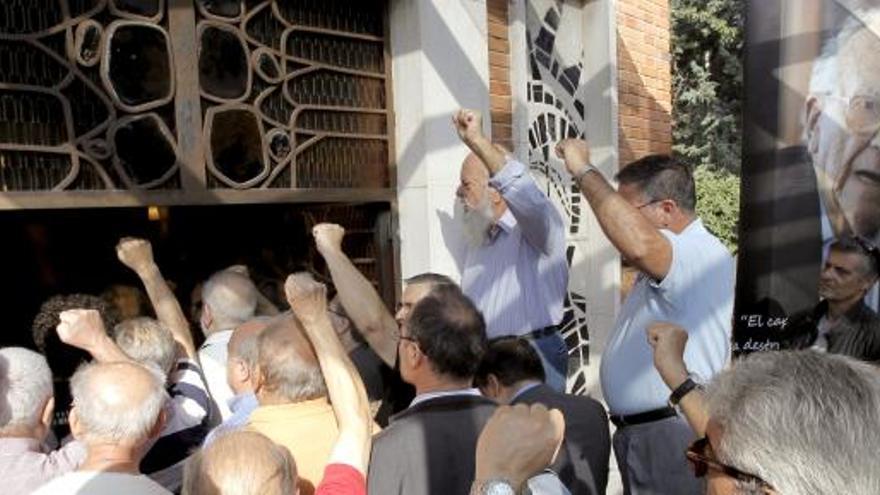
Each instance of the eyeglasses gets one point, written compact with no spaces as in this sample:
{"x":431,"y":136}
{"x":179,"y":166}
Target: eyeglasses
{"x":862,"y":113}
{"x":649,"y":203}
{"x":702,"y":463}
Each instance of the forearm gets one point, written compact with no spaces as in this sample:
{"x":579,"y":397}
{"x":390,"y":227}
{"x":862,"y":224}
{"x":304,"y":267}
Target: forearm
{"x":347,"y":395}
{"x":364,"y":306}
{"x":692,"y":405}
{"x":629,"y":231}
{"x":105,"y":350}
{"x":167,"y":307}
{"x":492,"y":157}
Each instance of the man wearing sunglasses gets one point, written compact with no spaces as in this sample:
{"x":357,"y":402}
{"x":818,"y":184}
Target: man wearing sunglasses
{"x":768,"y":425}
{"x":842,"y":323}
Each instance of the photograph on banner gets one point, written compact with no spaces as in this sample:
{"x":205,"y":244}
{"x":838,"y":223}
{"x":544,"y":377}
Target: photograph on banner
{"x":810,"y":219}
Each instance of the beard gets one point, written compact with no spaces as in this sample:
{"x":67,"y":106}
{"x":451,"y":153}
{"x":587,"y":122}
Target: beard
{"x":475,"y":222}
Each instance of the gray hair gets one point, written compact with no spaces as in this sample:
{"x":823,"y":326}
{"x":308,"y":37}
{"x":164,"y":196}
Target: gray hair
{"x":148,"y":342}
{"x":25,"y":386}
{"x":287,"y":363}
{"x":231,"y":296}
{"x":240,"y":463}
{"x":117,"y":402}
{"x":829,"y":67}
{"x":246,"y":348}
{"x":807,"y":423}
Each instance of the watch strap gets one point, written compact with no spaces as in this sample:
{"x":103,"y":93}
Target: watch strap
{"x":685,"y":388}
{"x":580,"y":174}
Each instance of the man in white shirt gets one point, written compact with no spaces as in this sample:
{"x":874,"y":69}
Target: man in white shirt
{"x":117,"y":412}
{"x":230,"y":299}
{"x":686,"y":277}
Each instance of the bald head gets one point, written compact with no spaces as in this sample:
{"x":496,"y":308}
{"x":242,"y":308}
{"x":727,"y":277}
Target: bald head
{"x":117,"y":403}
{"x":241,"y":463}
{"x":287,"y":368}
{"x":229,"y":298}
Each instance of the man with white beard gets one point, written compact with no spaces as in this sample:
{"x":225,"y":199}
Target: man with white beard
{"x":514,"y":269}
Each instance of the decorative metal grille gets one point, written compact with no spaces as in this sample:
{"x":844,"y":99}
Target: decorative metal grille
{"x":290,"y":95}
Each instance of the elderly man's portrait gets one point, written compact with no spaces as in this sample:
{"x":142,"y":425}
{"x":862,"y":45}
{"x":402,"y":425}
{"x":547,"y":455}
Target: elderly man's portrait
{"x":811,"y":160}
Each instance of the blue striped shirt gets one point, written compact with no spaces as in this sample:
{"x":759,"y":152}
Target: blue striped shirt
{"x":519,"y":277}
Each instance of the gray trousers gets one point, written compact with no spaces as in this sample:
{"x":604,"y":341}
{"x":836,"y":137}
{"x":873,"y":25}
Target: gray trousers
{"x":651,"y":458}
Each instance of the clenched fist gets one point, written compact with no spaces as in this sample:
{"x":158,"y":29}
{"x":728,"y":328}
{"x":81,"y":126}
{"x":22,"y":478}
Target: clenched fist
{"x":328,"y":237}
{"x":575,"y":153}
{"x":307,"y":297}
{"x":668,"y":341}
{"x":134,"y":253}
{"x":81,"y":328}
{"x":469,"y":124}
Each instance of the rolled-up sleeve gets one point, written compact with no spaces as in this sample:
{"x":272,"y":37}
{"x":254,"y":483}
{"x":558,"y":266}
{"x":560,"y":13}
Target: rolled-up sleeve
{"x":541,"y":223}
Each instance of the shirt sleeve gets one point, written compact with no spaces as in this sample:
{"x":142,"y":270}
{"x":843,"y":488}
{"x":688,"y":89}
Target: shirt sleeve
{"x":342,"y":479}
{"x":65,"y":459}
{"x":684,"y":270}
{"x":541,"y":223}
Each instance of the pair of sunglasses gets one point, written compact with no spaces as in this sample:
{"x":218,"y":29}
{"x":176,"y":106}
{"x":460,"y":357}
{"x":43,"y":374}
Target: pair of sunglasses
{"x":701,"y":463}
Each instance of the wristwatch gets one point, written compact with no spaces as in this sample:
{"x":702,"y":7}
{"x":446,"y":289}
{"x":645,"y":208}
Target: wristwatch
{"x":495,"y":486}
{"x":681,"y":390}
{"x":580,"y":174}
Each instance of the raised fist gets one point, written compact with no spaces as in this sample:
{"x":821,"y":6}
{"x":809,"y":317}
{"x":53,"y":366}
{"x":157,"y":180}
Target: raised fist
{"x":575,"y":153}
{"x":81,"y":328}
{"x":134,"y":253}
{"x":468,"y":123}
{"x":328,"y":237}
{"x":668,"y":341}
{"x":306,"y":296}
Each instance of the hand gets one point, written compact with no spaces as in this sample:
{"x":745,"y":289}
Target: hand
{"x":328,"y":237}
{"x":518,"y":442}
{"x":134,"y":253}
{"x":575,"y":153}
{"x":81,"y":328}
{"x":307,"y":297}
{"x":668,"y":341}
{"x":469,"y":125}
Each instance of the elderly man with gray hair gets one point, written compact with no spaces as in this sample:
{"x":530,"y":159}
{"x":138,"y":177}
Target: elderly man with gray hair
{"x":785,"y":423}
{"x":26,"y":406}
{"x":118,"y":410}
{"x":229,"y":299}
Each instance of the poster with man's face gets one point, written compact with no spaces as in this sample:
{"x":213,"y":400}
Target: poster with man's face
{"x":811,"y":161}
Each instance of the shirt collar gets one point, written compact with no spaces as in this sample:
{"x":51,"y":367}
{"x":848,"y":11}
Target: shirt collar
{"x":504,"y":224}
{"x":219,"y":337}
{"x":243,"y":401}
{"x":445,"y":393}
{"x":524,"y":389}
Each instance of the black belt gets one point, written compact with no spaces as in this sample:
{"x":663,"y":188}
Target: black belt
{"x":642,"y":418}
{"x":542,"y":332}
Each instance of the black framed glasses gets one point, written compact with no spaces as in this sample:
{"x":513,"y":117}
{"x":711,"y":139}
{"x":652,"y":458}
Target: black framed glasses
{"x":702,"y":463}
{"x":649,"y":203}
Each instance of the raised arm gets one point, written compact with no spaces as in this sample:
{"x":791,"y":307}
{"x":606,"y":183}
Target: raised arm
{"x":308,"y":300}
{"x":84,"y":329}
{"x":362,"y":303}
{"x":137,"y":254}
{"x":627,"y":229}
{"x":539,"y":220}
{"x":668,"y":342}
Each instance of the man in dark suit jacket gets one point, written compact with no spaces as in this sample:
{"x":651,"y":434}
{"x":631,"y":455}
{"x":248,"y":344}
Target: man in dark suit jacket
{"x":511,"y":372}
{"x":430,"y":447}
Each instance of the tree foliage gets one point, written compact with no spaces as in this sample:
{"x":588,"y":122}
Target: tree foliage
{"x":707,"y":41}
{"x":718,"y":203}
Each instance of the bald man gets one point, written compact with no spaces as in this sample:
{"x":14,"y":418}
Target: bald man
{"x":514,"y":268}
{"x":118,"y":410}
{"x":229,"y":299}
{"x":241,"y":364}
{"x":294,"y":410}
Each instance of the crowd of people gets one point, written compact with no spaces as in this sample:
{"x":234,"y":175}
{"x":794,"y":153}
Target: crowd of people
{"x":462,"y":390}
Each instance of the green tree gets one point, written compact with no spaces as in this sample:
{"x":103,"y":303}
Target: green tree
{"x":707,"y":41}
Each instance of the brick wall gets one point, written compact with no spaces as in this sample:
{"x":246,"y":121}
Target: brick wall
{"x":644,"y":80}
{"x":499,"y":73}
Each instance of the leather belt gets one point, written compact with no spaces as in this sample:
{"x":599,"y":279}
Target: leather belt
{"x":642,"y":418}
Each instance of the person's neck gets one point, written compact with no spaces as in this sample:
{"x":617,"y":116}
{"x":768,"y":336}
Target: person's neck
{"x":836,"y":309}
{"x":271,"y":399}
{"x":518,"y":387}
{"x":434,"y":383}
{"x":681,"y":223}
{"x":112,"y":458}
{"x":35,"y":433}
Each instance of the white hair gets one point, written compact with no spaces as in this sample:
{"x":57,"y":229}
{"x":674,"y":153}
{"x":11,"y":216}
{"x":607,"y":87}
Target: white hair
{"x":107,"y":417}
{"x":231,"y":296}
{"x":831,"y":67}
{"x":25,"y":386}
{"x":807,"y":423}
{"x":148,"y":342}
